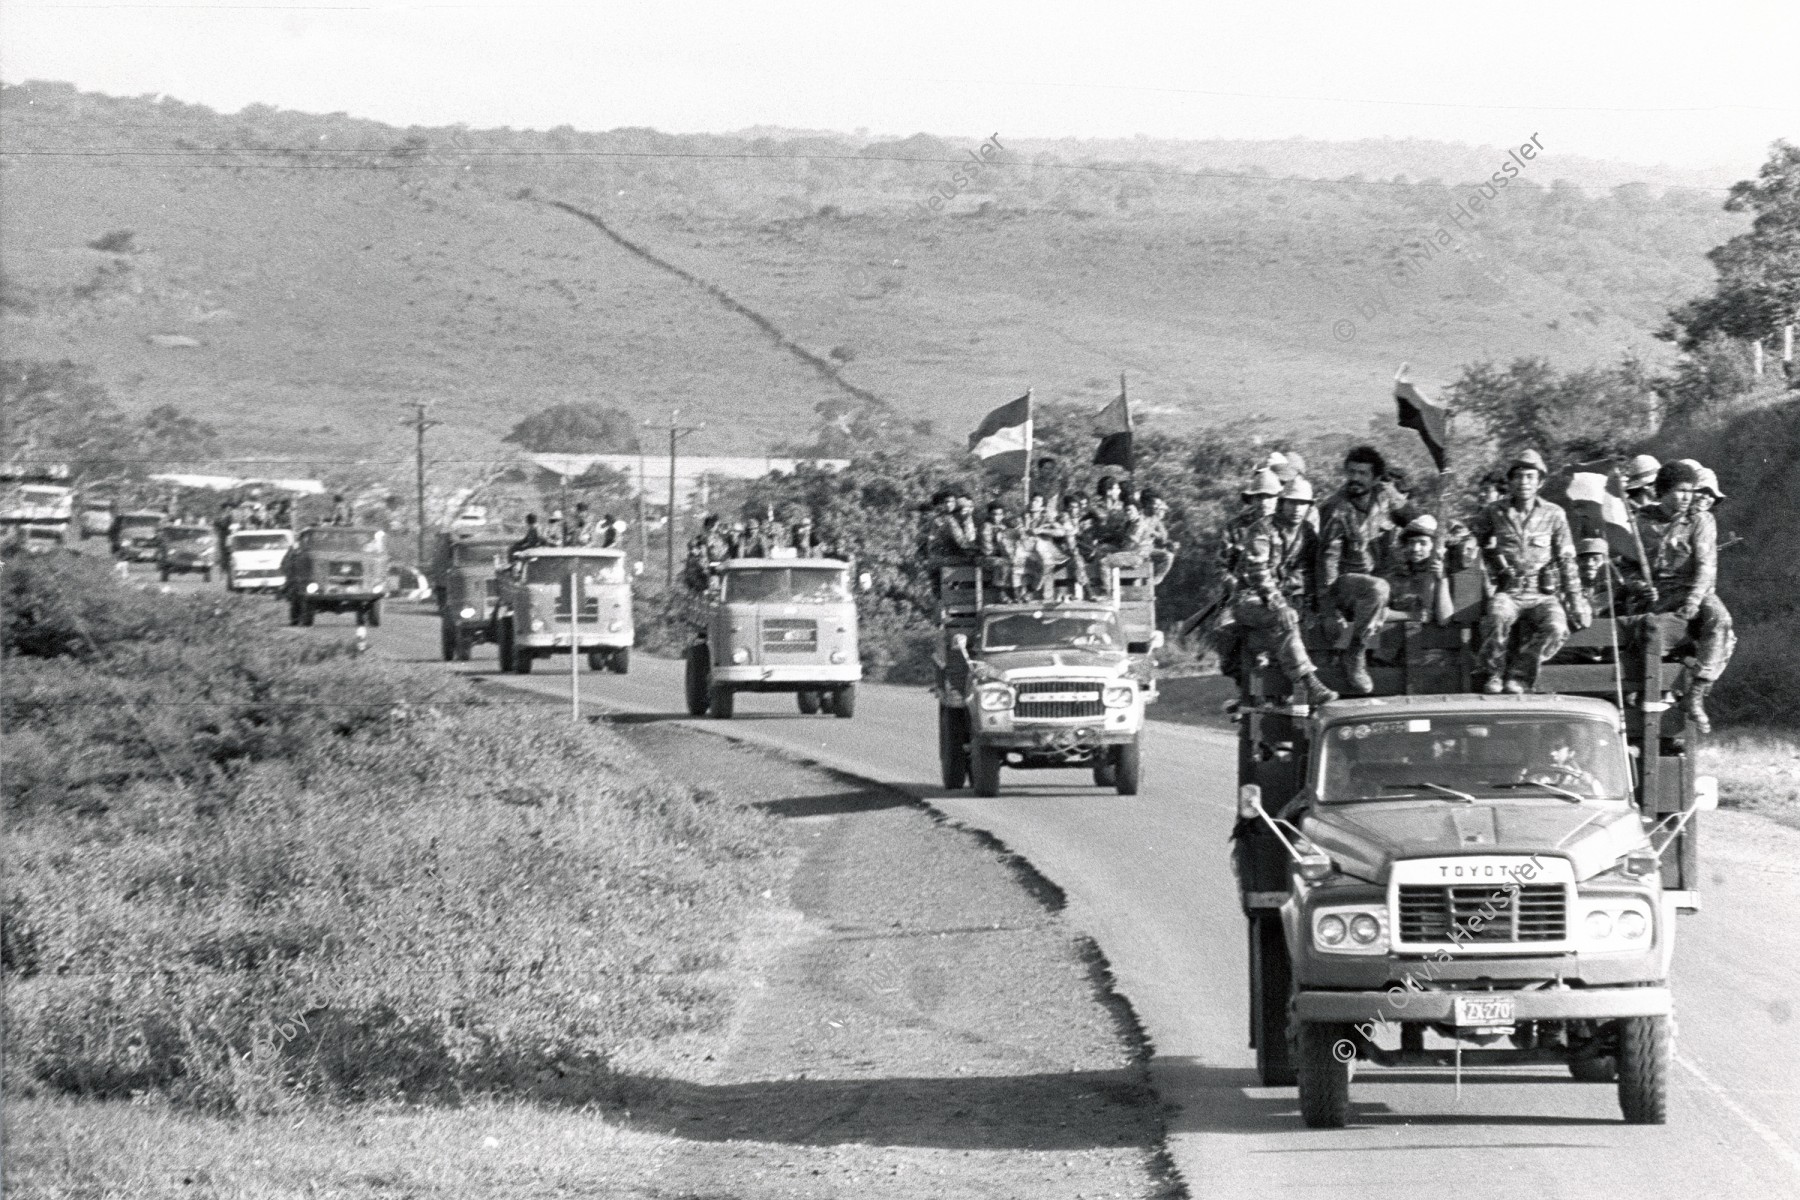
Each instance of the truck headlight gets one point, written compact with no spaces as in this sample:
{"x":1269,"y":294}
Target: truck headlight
{"x":1351,"y":929}
{"x":994,"y":699}
{"x":838,"y":656}
{"x":537,"y":626}
{"x":1615,"y":923}
{"x":614,"y":626}
{"x":467,"y":613}
{"x":1118,"y":695}
{"x":740,"y":655}
{"x":1364,"y":929}
{"x":312,"y":587}
{"x":1632,"y":925}
{"x":1332,"y":931}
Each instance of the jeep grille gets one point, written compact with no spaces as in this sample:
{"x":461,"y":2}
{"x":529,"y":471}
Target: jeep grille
{"x":1527,"y":913}
{"x":1058,"y":700}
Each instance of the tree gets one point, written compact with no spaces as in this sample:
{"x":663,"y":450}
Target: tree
{"x":1759,"y":272}
{"x":60,"y":412}
{"x":585,"y":428}
{"x":1582,"y":415}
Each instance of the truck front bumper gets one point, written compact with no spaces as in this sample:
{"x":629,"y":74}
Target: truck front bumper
{"x":1056,"y":738}
{"x":1543,"y":1004}
{"x":561,"y":640}
{"x":788,"y":675}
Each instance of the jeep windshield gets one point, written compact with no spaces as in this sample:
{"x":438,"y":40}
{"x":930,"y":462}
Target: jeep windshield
{"x":1469,"y":756}
{"x":1051,"y":631}
{"x":786,"y":585}
{"x":591,"y":570}
{"x":259,"y":541}
{"x":343,"y":541}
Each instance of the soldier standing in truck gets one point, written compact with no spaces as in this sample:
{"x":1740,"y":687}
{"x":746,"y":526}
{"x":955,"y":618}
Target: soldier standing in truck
{"x":1356,"y":530}
{"x":1530,"y":557}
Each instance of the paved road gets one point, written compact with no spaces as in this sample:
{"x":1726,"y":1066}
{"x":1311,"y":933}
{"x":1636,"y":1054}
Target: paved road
{"x":1148,"y":877}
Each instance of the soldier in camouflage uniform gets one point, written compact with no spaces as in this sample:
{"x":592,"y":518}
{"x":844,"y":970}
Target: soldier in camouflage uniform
{"x":1417,"y":588}
{"x":1356,"y":531}
{"x":1269,"y":559}
{"x":1530,"y":557}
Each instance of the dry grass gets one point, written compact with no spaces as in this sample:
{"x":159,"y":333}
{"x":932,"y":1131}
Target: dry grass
{"x":1758,"y":771}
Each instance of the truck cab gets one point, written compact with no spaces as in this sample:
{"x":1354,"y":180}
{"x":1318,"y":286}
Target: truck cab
{"x":466,"y":578}
{"x":134,"y":535}
{"x":181,"y":549}
{"x":1433,"y":876}
{"x":336,"y":568}
{"x":776,"y":625}
{"x":96,"y":517}
{"x":254,"y":559}
{"x":564,"y":600}
{"x":1035,"y":685}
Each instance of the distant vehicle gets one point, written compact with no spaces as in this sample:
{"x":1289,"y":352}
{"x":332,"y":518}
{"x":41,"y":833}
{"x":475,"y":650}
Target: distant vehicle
{"x":777,"y":625}
{"x":134,"y":535}
{"x":40,"y":539}
{"x":181,"y":549}
{"x":467,"y":581}
{"x":534,"y":613}
{"x":96,"y":518}
{"x":407,"y":583}
{"x":472,"y":516}
{"x":336,"y":568}
{"x":37,"y":504}
{"x":254,"y":559}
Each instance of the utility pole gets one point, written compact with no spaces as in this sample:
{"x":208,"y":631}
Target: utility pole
{"x":675,"y":430}
{"x":420,"y":424}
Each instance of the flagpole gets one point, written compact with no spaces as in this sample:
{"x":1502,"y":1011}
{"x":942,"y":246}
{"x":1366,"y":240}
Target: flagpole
{"x":1029,"y":435}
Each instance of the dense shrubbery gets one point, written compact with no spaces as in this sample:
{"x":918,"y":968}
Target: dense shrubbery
{"x":246,"y":866}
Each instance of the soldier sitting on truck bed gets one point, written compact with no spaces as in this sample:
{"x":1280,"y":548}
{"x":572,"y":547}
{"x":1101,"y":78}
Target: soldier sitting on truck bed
{"x":1356,"y":531}
{"x":998,"y":547}
{"x":1271,"y":568}
{"x":1417,"y":587}
{"x":1530,"y":558}
{"x":1683,"y":548}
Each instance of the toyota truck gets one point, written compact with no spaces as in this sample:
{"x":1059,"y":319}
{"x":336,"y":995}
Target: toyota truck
{"x":1437,"y":877}
{"x":776,"y":625}
{"x":564,"y":600}
{"x":1037,"y":685}
{"x":254,"y":559}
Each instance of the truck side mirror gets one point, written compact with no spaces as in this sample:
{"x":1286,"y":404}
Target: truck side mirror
{"x":865,"y":581}
{"x":1157,"y":639}
{"x":637,"y":568}
{"x":1706,"y":793}
{"x":1249,"y":802}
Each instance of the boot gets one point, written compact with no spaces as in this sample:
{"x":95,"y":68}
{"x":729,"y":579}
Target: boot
{"x":1356,"y":671}
{"x":1313,"y":692}
{"x":1494,"y":686}
{"x":1693,"y":705}
{"x":1514,"y":686}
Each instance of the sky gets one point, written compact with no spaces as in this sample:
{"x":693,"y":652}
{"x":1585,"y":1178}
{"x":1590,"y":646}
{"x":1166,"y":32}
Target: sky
{"x":1647,"y":82}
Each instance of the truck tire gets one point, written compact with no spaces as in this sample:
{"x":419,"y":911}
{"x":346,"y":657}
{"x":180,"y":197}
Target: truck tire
{"x":596,"y":660}
{"x":503,"y":639}
{"x":521,"y":659}
{"x":374,"y":614}
{"x":447,"y":640}
{"x":1271,"y":982}
{"x":164,"y":572}
{"x":206,"y":575}
{"x":1324,"y":1078}
{"x":699,"y":664}
{"x":306,"y":614}
{"x":619,"y":661}
{"x":984,"y":770}
{"x":1106,"y":772}
{"x":808,"y":700}
{"x":1128,"y":766}
{"x":843,"y":702}
{"x":465,"y":644}
{"x":293,"y":611}
{"x":722,"y":701}
{"x":953,"y":747}
{"x":1645,"y":1051}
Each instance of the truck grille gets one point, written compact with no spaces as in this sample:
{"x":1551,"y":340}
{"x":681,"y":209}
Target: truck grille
{"x":344,"y":573}
{"x":790,"y":637}
{"x":1058,"y":700}
{"x":1528,"y":913}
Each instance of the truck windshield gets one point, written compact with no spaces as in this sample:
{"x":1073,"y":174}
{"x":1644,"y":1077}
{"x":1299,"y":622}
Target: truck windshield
{"x":591,"y":570}
{"x":1473,"y":754}
{"x":259,"y":541}
{"x":786,"y":585}
{"x":140,"y":524}
{"x":344,"y":541}
{"x":186,"y":537}
{"x":1051,"y":631}
{"x":478,"y":554}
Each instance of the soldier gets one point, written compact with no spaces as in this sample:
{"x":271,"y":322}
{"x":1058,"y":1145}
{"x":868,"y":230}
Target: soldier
{"x":1163,"y":548}
{"x":1707,"y":494}
{"x":610,"y":532}
{"x":751,"y":543}
{"x":1530,"y":558}
{"x":1267,"y":561}
{"x":1601,"y":583}
{"x":805,"y":538}
{"x":341,"y":513}
{"x":954,"y":536}
{"x":1356,"y":529}
{"x":580,"y":529}
{"x":706,"y":550}
{"x":1640,"y":481}
{"x":1417,"y":588}
{"x":532,"y":537}
{"x":998,"y":547}
{"x":1683,"y":548}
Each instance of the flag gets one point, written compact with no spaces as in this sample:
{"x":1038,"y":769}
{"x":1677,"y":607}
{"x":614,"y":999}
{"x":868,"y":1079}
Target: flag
{"x":1003,"y":439}
{"x":1598,"y":509}
{"x":1114,"y":428}
{"x":1430,"y":418}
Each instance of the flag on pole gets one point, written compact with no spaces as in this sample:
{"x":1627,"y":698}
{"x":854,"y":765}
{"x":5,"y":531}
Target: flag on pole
{"x":1430,"y":418}
{"x":1003,"y":439}
{"x":1598,"y":508}
{"x":1114,"y":428}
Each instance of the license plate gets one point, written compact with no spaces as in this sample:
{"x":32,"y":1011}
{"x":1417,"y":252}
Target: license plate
{"x":1484,"y":1010}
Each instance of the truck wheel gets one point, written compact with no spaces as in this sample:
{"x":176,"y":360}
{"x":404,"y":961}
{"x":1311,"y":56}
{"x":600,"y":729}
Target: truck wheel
{"x":698,"y":668}
{"x":808,"y":700}
{"x":293,"y":611}
{"x":1598,"y":1068}
{"x":619,"y":661}
{"x":1271,"y":981}
{"x":723,"y":702}
{"x":1128,"y":765}
{"x":953,"y":747}
{"x":843,"y":702}
{"x":206,"y":575}
{"x":503,"y":639}
{"x":447,"y":640}
{"x":984,"y":770}
{"x":164,"y":572}
{"x":1106,"y":772}
{"x":306,"y":614}
{"x":522,"y":659}
{"x":465,"y":642}
{"x":1645,"y":1050}
{"x":1324,"y":1078}
{"x":374,"y":613}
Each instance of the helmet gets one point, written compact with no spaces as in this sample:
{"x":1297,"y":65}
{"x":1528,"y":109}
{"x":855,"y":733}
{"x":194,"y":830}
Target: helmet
{"x":1527,"y":458}
{"x":1297,"y":489}
{"x":1641,"y":471}
{"x":1592,"y":546}
{"x":1709,"y":482}
{"x":1262,"y":483}
{"x":1423,"y":525}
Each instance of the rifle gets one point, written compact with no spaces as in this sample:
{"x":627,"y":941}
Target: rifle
{"x":1187,"y":627}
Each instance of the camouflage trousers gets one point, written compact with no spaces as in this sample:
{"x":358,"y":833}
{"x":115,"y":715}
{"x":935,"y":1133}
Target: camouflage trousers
{"x":1361,"y":600}
{"x":1255,"y":625}
{"x":1709,"y":633}
{"x":1535,"y":620}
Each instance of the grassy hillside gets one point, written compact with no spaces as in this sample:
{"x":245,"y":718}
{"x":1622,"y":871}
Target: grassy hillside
{"x":328,"y":269}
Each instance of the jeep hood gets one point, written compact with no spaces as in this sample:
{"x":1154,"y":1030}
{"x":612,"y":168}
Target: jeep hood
{"x":1366,"y":839}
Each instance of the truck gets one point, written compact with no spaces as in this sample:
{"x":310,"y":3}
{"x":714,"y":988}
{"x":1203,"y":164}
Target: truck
{"x":776,"y":625}
{"x":134,"y":535}
{"x":335,"y":568}
{"x":1039,"y":684}
{"x":96,"y":517}
{"x":185,"y":549}
{"x":465,"y":576}
{"x":256,"y":558}
{"x":33,"y":502}
{"x":564,"y":600}
{"x":1432,"y":876}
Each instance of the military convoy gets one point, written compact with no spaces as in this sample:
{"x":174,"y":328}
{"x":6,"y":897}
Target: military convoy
{"x":1433,"y":876}
{"x":186,"y":549}
{"x":776,"y":625}
{"x":564,"y":600}
{"x":256,"y":558}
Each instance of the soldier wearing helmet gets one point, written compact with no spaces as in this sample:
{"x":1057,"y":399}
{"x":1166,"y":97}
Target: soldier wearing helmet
{"x":1417,"y":587}
{"x":1268,"y":561}
{"x":1530,"y":556}
{"x":1707,"y":494}
{"x":1356,"y":532}
{"x":1601,"y":583}
{"x":1640,"y":481}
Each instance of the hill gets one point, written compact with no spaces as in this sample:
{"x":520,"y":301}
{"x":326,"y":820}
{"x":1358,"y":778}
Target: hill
{"x":293,"y":279}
